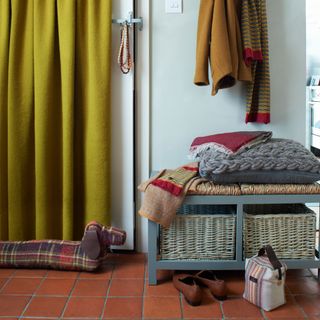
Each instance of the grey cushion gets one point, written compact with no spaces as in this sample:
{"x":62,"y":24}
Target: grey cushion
{"x":276,"y":161}
{"x":264,"y":177}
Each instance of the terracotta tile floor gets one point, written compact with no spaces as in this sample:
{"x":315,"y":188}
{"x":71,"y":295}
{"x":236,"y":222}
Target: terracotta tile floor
{"x":121,"y":291}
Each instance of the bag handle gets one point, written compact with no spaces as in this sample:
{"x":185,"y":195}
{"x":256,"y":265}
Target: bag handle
{"x":272,"y":258}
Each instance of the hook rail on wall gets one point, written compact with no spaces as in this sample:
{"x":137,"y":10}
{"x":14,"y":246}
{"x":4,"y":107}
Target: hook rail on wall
{"x":130,"y":21}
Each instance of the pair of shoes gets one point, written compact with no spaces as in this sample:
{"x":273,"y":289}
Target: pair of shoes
{"x":216,"y":286}
{"x":189,"y":286}
{"x":98,"y":238}
{"x":186,"y":283}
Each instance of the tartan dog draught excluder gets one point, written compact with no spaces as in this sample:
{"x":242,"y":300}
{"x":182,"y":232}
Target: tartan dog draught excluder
{"x":265,"y":278}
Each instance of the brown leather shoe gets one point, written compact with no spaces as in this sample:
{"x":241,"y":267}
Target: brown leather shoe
{"x":186,"y":284}
{"x":217,"y":287}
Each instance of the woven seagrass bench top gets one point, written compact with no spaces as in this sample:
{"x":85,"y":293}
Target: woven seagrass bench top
{"x":211,"y":188}
{"x":312,"y":188}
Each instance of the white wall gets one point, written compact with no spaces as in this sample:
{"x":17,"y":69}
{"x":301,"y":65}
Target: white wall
{"x":313,"y":37}
{"x":181,"y":111}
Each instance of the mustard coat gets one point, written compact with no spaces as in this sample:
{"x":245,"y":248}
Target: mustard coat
{"x":219,"y":42}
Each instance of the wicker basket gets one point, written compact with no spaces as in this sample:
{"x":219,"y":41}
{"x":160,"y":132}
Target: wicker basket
{"x":200,"y":232}
{"x":290,"y":229}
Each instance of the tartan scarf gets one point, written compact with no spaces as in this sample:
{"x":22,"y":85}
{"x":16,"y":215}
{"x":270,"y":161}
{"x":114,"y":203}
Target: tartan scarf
{"x":165,"y":193}
{"x":175,"y":181}
{"x":254,"y":29}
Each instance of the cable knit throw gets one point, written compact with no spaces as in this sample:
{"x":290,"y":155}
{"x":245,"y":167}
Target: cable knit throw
{"x":275,"y":156}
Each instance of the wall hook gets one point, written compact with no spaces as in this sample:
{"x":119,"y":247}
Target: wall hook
{"x":130,"y":21}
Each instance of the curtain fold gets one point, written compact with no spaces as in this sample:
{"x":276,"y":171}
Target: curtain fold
{"x":54,"y":117}
{"x":4,"y":57}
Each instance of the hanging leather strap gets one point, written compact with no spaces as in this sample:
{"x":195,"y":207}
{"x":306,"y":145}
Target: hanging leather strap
{"x":124,"y":56}
{"x":272,"y":258}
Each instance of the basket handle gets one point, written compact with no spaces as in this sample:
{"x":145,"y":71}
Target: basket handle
{"x":272,"y":258}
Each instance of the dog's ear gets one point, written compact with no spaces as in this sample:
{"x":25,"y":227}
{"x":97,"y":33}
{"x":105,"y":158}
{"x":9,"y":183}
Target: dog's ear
{"x":90,"y":244}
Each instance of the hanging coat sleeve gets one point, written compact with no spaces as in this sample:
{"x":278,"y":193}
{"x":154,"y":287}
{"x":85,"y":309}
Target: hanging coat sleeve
{"x":203,"y":42}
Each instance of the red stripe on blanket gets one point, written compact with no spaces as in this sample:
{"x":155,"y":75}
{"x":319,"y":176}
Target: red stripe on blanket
{"x":258,"y":117}
{"x":191,"y":168}
{"x":167,"y":186}
{"x":249,"y":55}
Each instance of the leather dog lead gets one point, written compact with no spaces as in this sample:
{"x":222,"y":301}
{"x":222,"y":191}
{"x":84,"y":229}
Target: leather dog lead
{"x":124,"y":56}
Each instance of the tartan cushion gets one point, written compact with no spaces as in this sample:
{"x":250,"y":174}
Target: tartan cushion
{"x":51,"y":254}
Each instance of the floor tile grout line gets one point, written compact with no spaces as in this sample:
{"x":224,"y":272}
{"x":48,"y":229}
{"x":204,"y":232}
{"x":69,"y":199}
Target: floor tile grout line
{"x":144,"y":288}
{"x":107,"y":293}
{"x":287,"y":287}
{"x":300,"y":308}
{"x":221,"y":309}
{"x":181,"y":305}
{"x":263,"y":314}
{"x":314,"y":276}
{"x":7,"y":281}
{"x":38,"y":317}
{"x":89,"y":296}
{"x":33,"y":295}
{"x":306,"y":294}
{"x":70,"y":295}
{"x":65,"y":295}
{"x":310,"y":272}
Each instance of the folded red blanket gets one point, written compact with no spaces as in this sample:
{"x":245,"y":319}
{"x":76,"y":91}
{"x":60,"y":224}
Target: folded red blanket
{"x":230,"y":142}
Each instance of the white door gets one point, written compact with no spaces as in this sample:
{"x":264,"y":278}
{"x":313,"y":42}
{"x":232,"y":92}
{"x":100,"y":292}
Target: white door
{"x":122,"y":185}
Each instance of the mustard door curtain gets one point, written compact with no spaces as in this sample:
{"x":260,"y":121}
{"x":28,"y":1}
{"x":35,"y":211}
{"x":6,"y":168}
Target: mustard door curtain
{"x":54,"y":117}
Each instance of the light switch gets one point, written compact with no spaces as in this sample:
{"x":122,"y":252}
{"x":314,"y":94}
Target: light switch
{"x":173,"y":6}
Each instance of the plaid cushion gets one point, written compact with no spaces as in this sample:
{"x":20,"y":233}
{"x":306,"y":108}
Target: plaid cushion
{"x":51,"y":254}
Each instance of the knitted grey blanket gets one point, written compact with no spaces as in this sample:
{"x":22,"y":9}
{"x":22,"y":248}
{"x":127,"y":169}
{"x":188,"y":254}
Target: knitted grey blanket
{"x":273,"y":155}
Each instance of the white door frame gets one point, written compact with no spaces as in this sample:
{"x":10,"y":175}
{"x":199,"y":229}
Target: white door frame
{"x":123,"y":146}
{"x":143,"y":114}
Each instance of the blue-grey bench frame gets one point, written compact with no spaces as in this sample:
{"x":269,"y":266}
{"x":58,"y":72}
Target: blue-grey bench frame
{"x":155,"y":263}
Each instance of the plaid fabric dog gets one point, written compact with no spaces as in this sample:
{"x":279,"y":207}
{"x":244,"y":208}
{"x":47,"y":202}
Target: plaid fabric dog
{"x":46,"y":254}
{"x":85,"y":255}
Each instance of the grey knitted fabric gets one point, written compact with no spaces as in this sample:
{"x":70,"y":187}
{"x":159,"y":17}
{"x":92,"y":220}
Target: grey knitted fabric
{"x":274,"y":155}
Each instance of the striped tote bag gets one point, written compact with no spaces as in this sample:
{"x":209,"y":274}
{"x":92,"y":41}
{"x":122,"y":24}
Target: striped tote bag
{"x":264,"y":280}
